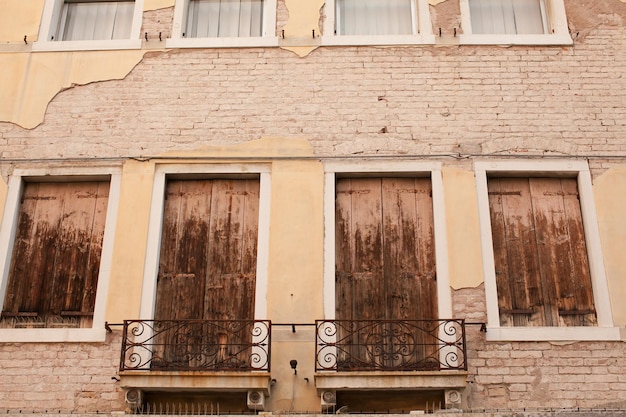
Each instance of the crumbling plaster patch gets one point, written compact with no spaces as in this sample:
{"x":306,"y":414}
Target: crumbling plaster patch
{"x":584,"y":16}
{"x":157,"y":4}
{"x":304,"y":17}
{"x":34,"y":79}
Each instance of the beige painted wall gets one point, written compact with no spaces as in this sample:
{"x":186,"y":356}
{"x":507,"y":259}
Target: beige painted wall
{"x":19,"y":18}
{"x":463,"y":230}
{"x":295,"y":288}
{"x":123,"y":301}
{"x":610,"y":199}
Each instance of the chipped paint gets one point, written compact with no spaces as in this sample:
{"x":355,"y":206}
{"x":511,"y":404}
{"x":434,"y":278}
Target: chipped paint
{"x":37,"y":77}
{"x":157,"y":4}
{"x":304,"y":17}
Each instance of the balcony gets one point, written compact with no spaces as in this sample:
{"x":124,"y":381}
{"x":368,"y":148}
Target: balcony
{"x":390,"y":345}
{"x":196,"y":355}
{"x":386,"y":355}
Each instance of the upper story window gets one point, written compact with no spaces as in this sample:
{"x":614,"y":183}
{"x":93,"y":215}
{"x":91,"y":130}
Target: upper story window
{"x":508,"y":16}
{"x":214,"y":23}
{"x":95,"y":20}
{"x":531,"y":22}
{"x":373,"y":17}
{"x":224,"y":18}
{"x":90,"y":25}
{"x":363,"y":22}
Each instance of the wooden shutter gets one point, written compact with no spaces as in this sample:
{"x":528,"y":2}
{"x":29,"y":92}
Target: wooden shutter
{"x":56,"y":258}
{"x":207,"y":272}
{"x":385,"y":249}
{"x":385,"y":270}
{"x":208,"y":250}
{"x":542,"y":268}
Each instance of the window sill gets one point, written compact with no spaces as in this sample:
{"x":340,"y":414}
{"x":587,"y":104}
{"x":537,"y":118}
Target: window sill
{"x":560,"y":39}
{"x":87,"y":45}
{"x":243,"y":42}
{"x":52,"y":335}
{"x":533,"y":334}
{"x":374,"y":40}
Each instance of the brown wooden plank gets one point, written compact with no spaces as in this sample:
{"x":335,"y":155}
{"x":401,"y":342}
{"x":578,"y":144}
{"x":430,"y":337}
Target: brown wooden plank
{"x":521,"y":250}
{"x":498,"y":228}
{"x":95,"y":247}
{"x":553,"y":246}
{"x":365,"y":285}
{"x":232,"y":251}
{"x":184,"y":244}
{"x":409,"y":257}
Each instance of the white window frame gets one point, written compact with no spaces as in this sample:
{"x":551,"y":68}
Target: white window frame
{"x":423,"y":27}
{"x":605,"y":329}
{"x":389,"y":169}
{"x":153,"y":250}
{"x":50,"y":18}
{"x":268,"y":37}
{"x":557,"y":30}
{"x":8,"y":229}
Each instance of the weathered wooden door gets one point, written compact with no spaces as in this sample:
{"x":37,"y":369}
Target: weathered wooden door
{"x":385,"y":261}
{"x":56,"y":257}
{"x":207,"y":264}
{"x":542,"y":268}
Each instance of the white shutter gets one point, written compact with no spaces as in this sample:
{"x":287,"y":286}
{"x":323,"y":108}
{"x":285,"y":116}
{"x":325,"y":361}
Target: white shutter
{"x":374,"y":17}
{"x":224,"y":18}
{"x":96,"y":20}
{"x":507,"y":16}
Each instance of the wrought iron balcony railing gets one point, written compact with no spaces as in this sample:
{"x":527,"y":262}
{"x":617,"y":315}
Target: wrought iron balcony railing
{"x":390,"y":345}
{"x":196,"y":345}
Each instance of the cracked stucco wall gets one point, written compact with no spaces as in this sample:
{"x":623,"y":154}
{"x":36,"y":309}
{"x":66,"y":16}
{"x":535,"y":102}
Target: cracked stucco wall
{"x":31,"y":80}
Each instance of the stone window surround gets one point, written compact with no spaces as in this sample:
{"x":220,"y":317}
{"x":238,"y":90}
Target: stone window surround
{"x":605,"y":329}
{"x":51,"y":15}
{"x":268,"y":39}
{"x":8,"y":227}
{"x":148,"y":295}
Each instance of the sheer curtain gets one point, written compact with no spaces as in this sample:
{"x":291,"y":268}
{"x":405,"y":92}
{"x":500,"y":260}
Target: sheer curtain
{"x":96,"y":20}
{"x":224,"y":18}
{"x":374,"y":17}
{"x":507,"y":16}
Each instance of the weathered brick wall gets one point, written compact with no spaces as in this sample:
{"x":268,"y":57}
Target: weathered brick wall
{"x":61,"y":377}
{"x":554,"y":101}
{"x":444,"y":102}
{"x":538,"y":375}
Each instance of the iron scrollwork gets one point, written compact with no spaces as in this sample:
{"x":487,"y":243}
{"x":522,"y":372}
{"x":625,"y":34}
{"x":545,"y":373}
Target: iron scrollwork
{"x":196,"y":345}
{"x":394,"y":345}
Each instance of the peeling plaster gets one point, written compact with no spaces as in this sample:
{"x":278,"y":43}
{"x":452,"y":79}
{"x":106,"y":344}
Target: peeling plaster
{"x":304,"y":16}
{"x":585,"y":16}
{"x":157,"y":4}
{"x":36,"y":78}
